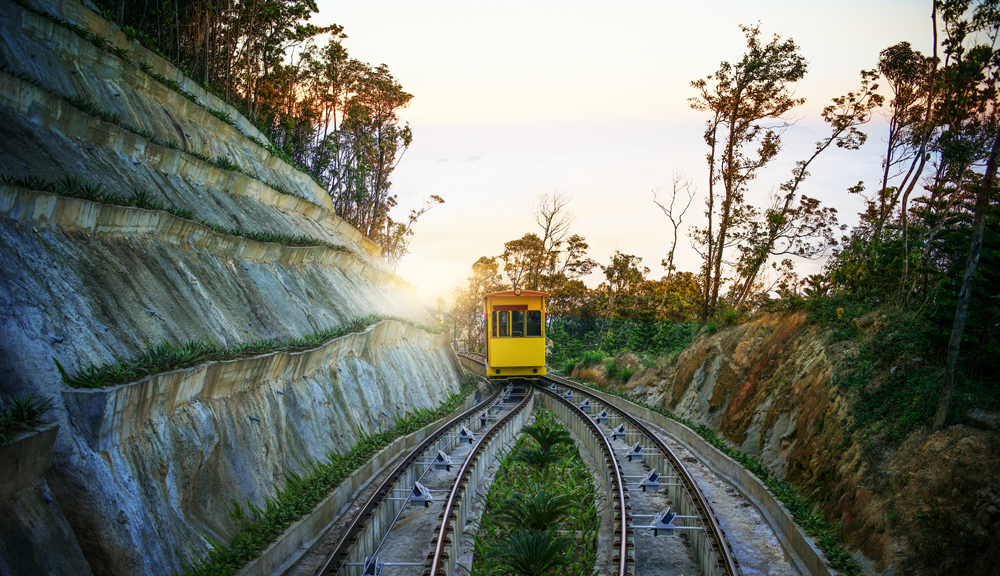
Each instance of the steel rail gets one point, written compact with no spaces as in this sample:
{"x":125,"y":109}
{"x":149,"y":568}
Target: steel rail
{"x":340,"y":552}
{"x":719,"y":542}
{"x":618,"y":483}
{"x":442,"y":540}
{"x":474,"y":356}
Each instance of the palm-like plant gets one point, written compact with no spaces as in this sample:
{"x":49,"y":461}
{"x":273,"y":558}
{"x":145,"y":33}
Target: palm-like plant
{"x":532,"y":553}
{"x":539,"y":459}
{"x":537,"y":513}
{"x":548,"y":437}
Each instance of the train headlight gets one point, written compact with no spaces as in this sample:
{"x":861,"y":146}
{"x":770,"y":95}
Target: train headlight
{"x":497,"y":370}
{"x":534,"y":370}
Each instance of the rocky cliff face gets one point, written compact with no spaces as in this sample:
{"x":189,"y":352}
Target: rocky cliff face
{"x":927,"y":506}
{"x":145,"y":471}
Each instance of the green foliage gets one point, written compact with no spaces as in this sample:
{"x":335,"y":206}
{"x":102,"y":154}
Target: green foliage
{"x":805,"y":513}
{"x":535,"y":458}
{"x":615,"y":372}
{"x":539,"y":519}
{"x":72,"y":187}
{"x":587,"y":341}
{"x":171,"y":84}
{"x":258,"y":526}
{"x":840,"y":312}
{"x":222,"y":115}
{"x":165,"y":356}
{"x":527,"y":553}
{"x":20,"y":413}
{"x":896,"y":381}
{"x":275,"y":238}
{"x":535,"y":513}
{"x":226,"y":164}
{"x":548,"y":437}
{"x":729,"y":315}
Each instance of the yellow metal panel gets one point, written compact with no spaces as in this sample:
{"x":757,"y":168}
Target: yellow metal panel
{"x":517,"y":352}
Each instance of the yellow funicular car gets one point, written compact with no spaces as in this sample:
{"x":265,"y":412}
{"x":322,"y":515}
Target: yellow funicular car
{"x":515,"y":335}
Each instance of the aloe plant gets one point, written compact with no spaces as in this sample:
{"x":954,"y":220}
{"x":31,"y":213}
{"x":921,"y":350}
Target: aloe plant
{"x":168,"y":356}
{"x":19,"y":413}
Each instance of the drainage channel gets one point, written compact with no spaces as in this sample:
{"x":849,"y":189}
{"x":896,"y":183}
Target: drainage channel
{"x":673,"y":528}
{"x":392,"y":534}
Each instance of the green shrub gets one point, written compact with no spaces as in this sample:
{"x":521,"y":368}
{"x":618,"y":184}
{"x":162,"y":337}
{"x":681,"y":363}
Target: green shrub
{"x":165,"y":356}
{"x":591,"y":358}
{"x":540,"y":514}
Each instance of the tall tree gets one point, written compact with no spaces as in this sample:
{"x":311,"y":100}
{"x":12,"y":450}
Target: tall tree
{"x":681,"y":186}
{"x":910,"y":76}
{"x":523,"y":261}
{"x":973,"y":73}
{"x":553,"y":217}
{"x":624,"y":276}
{"x":798,"y":225}
{"x":740,"y":97}
{"x":467,"y":312}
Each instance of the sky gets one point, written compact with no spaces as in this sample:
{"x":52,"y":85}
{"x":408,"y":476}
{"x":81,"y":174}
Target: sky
{"x":517,"y":99}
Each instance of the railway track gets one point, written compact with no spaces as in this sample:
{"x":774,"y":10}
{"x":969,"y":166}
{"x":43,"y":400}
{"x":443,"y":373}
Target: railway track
{"x":691,"y":511}
{"x":366,"y":546}
{"x":659,"y":466}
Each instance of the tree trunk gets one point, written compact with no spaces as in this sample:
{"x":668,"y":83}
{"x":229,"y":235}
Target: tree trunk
{"x":983,"y":198}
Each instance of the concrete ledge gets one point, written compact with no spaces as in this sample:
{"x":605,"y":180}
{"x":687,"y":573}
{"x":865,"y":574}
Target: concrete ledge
{"x":109,"y":416}
{"x":48,"y":111}
{"x":77,"y":13}
{"x":43,"y":210}
{"x":472,"y":366}
{"x":304,"y":533}
{"x":780,"y":519}
{"x":25,"y":458}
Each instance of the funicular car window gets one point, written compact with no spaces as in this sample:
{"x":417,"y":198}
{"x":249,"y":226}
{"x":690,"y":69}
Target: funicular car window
{"x":534,"y":323}
{"x":502,"y":322}
{"x":517,"y":323}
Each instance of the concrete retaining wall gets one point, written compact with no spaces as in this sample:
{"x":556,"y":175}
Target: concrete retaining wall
{"x":25,"y":458}
{"x":303,"y":534}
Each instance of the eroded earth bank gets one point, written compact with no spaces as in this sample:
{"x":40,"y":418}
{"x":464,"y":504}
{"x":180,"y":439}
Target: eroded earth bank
{"x":927,"y":504}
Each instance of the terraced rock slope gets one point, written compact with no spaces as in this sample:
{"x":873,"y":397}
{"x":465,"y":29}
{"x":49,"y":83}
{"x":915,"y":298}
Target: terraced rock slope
{"x":138,"y":209}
